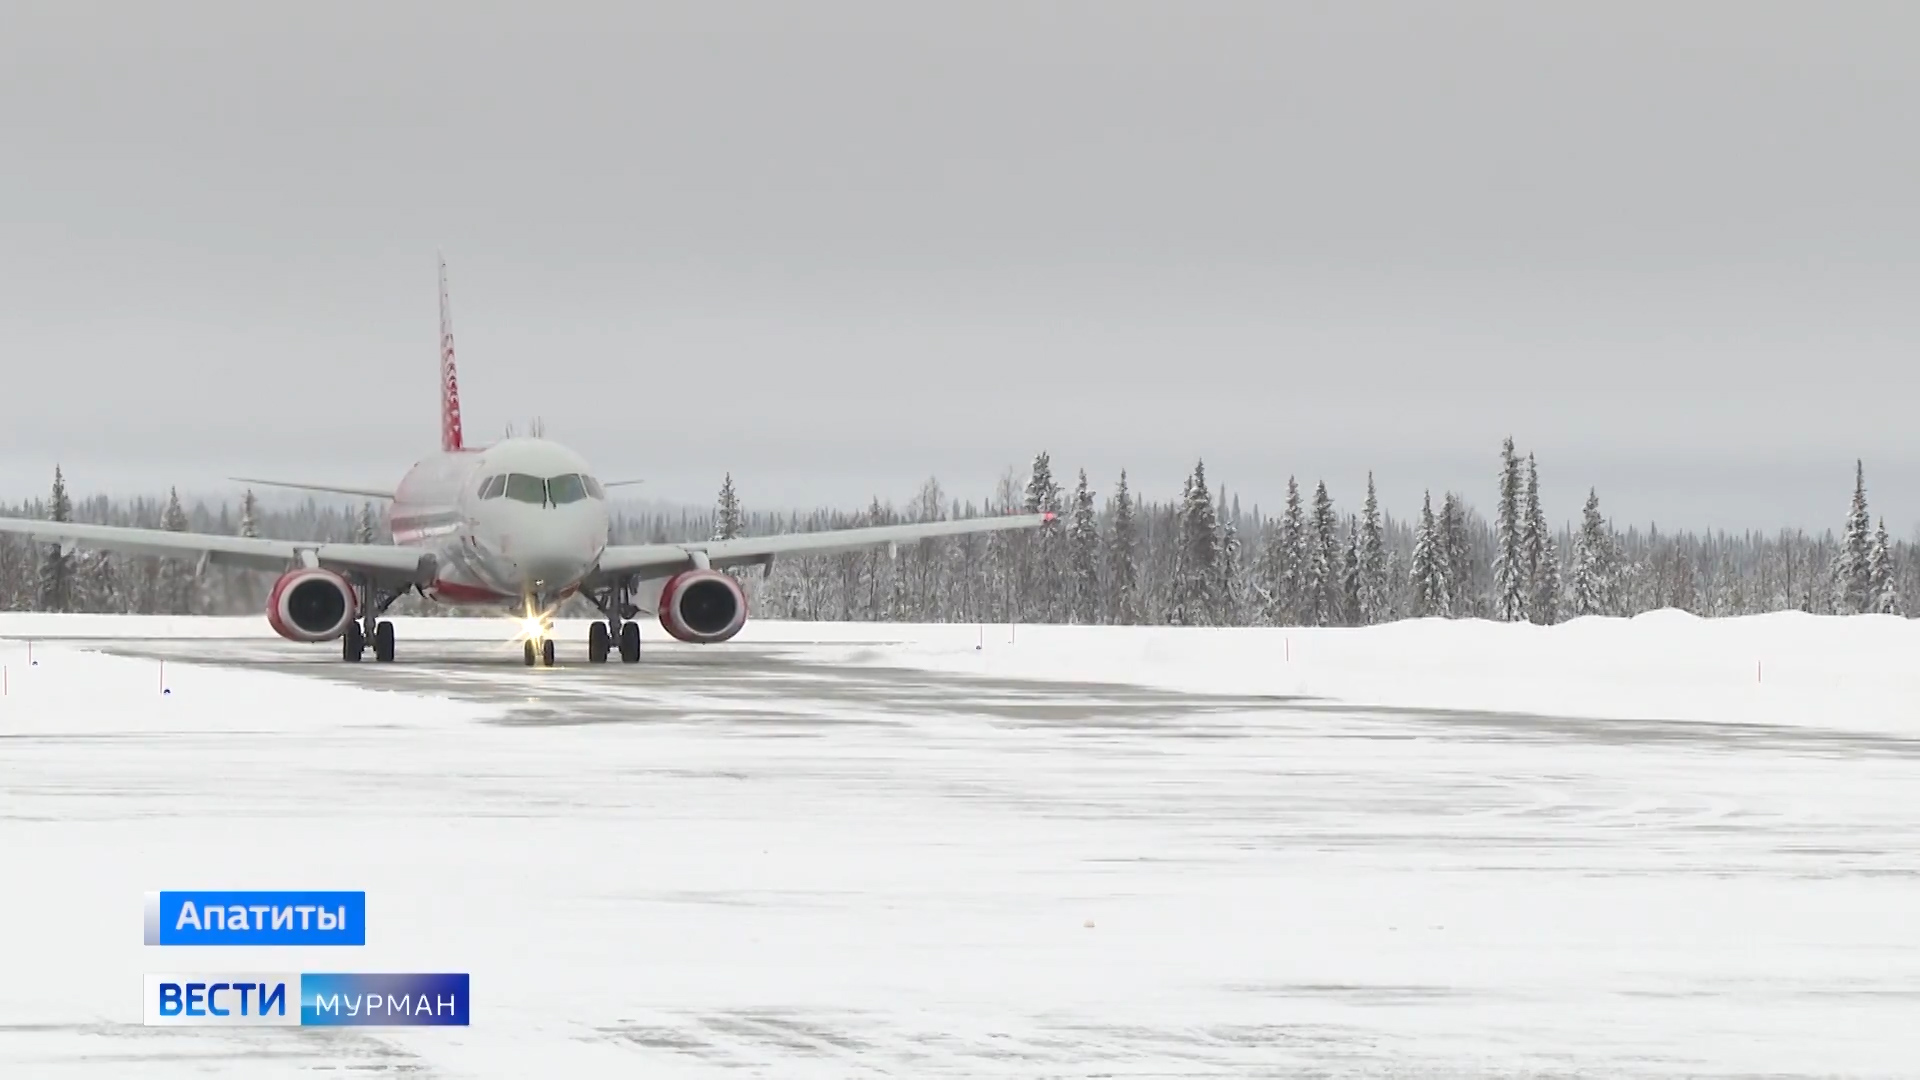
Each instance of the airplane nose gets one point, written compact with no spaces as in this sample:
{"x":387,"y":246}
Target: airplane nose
{"x":560,"y":564}
{"x":552,"y":570}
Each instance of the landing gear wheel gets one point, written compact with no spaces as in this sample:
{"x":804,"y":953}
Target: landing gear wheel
{"x":383,"y":643}
{"x":353,"y":644}
{"x":630,"y":642}
{"x":529,"y":653}
{"x":599,"y":643}
{"x":546,"y":652}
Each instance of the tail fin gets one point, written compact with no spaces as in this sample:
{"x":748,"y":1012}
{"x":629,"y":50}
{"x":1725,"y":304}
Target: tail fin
{"x":450,"y":434}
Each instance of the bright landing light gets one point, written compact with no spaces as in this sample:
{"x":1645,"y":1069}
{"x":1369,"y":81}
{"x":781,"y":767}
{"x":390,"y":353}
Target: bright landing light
{"x":532,"y":627}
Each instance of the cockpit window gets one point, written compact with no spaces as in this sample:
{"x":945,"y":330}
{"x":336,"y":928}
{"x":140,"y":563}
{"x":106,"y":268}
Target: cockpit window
{"x":493,"y":486}
{"x":594,"y":490}
{"x":566,"y":488}
{"x":526,"y":489}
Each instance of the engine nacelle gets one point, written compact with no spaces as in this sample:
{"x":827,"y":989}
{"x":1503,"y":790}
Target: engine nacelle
{"x":702,"y":606}
{"x":311,"y":604}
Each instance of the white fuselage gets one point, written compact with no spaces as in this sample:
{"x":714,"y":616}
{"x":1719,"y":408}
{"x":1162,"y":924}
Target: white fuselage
{"x":523,"y":518}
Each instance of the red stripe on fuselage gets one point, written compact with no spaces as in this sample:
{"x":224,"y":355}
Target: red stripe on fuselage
{"x":453,"y":592}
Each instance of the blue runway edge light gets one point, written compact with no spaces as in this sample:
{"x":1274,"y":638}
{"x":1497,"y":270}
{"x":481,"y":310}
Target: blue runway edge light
{"x":308,"y":999}
{"x":256,"y":918}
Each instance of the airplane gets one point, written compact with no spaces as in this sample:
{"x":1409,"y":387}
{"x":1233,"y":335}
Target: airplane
{"x":521,"y":525}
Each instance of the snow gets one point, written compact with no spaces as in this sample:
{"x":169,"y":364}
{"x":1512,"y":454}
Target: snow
{"x":896,"y":874}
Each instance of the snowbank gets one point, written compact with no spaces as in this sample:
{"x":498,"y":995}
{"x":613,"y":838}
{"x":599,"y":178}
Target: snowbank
{"x":1781,"y":668}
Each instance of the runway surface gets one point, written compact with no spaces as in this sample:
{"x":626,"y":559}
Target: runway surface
{"x":742,"y":861}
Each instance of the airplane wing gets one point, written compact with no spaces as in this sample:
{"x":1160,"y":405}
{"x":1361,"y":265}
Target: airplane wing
{"x":331,"y":489}
{"x":659,"y":560}
{"x":383,"y":562}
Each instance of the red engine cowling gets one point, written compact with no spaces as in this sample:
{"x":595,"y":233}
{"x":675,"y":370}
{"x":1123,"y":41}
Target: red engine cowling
{"x":702,"y":606}
{"x":311,"y":605}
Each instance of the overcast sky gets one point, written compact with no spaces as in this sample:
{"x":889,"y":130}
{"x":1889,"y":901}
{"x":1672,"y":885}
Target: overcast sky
{"x":1673,"y":249}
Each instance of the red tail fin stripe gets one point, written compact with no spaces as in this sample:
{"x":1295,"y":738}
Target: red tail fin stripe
{"x":451,"y":437}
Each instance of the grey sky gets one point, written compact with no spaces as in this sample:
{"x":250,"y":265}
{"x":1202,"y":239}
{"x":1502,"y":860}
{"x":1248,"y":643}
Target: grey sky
{"x":837,"y":247}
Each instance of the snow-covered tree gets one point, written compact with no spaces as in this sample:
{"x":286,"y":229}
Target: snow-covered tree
{"x":728,"y":523}
{"x":1042,"y":586}
{"x":1374,"y":597}
{"x":1350,"y":577}
{"x":1542,"y":557}
{"x":174,"y":584}
{"x":1194,"y":600}
{"x":56,"y":566}
{"x":1457,"y":546}
{"x":249,"y":514}
{"x":1683,"y":582}
{"x":97,"y":585}
{"x":1509,"y":557}
{"x":1123,"y":560}
{"x":1851,"y":570}
{"x":1593,"y":570}
{"x":1228,"y":589}
{"x":1083,"y":541}
{"x":363,"y":524}
{"x":1323,"y":593}
{"x":1283,"y":563}
{"x":1883,"y":581}
{"x":1428,"y":575}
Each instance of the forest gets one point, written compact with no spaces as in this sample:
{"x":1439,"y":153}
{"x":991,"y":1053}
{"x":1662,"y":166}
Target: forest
{"x":1116,"y":557}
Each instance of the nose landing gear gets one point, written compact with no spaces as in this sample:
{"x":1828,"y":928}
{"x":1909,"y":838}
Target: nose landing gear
{"x":538,"y":636}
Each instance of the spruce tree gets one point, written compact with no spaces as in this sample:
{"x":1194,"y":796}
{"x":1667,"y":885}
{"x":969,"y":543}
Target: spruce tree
{"x":1084,"y":541}
{"x":363,"y":524}
{"x":1323,"y":592}
{"x":1227,"y":589}
{"x":1851,"y":569}
{"x":1194,"y":600}
{"x":56,"y":567}
{"x":1269,"y":575}
{"x":1542,"y":556}
{"x":728,"y":524}
{"x":1428,"y":575}
{"x":249,"y":513}
{"x":1457,"y":547}
{"x":174,"y":585}
{"x":1375,"y":593}
{"x":1046,"y":563}
{"x":1592,"y":562}
{"x":1284,"y":565}
{"x":1350,"y":578}
{"x":1884,"y":582}
{"x":1509,"y":559}
{"x":1123,"y":567}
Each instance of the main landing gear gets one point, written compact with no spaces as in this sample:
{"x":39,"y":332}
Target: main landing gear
{"x":616,"y":603}
{"x":371,"y":629}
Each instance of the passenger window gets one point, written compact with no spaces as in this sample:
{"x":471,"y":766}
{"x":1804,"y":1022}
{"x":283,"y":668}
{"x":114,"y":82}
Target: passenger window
{"x":526,"y":489}
{"x":566,"y":488}
{"x":494,"y":485}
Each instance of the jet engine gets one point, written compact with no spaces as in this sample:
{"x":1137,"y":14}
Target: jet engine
{"x":311,"y":604}
{"x":702,"y":606}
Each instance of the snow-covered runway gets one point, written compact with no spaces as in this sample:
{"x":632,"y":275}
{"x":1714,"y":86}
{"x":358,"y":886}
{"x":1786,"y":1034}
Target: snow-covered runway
{"x":761,"y":859}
